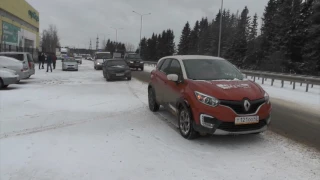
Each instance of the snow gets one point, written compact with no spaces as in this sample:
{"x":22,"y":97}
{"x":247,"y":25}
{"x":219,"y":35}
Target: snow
{"x":75,"y":125}
{"x":310,"y":98}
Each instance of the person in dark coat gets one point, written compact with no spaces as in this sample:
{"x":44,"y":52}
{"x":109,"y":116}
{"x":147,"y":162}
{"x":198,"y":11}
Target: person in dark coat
{"x":41,"y":60}
{"x":54,"y":59}
{"x":49,"y":61}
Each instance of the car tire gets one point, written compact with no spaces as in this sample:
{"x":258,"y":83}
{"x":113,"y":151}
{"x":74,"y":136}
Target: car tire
{"x":107,"y":77}
{"x":129,"y":78}
{"x":153,"y":105}
{"x":5,"y":86}
{"x":141,"y":69}
{"x":185,"y":122}
{"x":1,"y":83}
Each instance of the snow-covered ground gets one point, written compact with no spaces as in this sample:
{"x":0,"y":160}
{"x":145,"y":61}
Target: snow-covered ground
{"x":310,"y":99}
{"x":75,"y":125}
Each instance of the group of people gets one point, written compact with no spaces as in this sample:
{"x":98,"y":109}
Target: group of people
{"x":50,"y":58}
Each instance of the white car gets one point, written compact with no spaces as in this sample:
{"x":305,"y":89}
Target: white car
{"x":19,"y":67}
{"x":8,"y":77}
{"x":69,"y":64}
{"x":24,"y":57}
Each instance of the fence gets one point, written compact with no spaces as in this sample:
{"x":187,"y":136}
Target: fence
{"x":10,"y":48}
{"x":309,"y":81}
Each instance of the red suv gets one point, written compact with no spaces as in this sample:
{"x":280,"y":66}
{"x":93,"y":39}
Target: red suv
{"x":209,"y":95}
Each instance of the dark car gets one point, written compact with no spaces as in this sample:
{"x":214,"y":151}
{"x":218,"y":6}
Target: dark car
{"x":134,"y":61}
{"x":116,"y":69}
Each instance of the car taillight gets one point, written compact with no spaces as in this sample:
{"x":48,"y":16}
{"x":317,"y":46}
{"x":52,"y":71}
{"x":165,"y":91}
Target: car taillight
{"x":30,"y":66}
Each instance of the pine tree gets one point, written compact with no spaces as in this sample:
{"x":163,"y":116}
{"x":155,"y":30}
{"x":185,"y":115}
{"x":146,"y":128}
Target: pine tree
{"x":253,"y":28}
{"x":143,"y":48}
{"x":268,"y":31}
{"x":203,"y":29}
{"x":194,"y":40}
{"x":184,"y":40}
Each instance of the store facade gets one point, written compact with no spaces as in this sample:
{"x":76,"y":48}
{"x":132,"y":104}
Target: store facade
{"x":19,"y":26}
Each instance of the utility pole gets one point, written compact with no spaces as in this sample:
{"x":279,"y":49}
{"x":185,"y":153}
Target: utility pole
{"x":141,"y":15}
{"x":90,"y":47}
{"x":97,"y":43}
{"x":116,"y":29}
{"x":219,"y":48}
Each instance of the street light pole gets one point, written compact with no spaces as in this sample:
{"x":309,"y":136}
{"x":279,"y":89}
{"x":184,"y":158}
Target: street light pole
{"x":219,"y":47}
{"x":116,"y":34}
{"x":141,"y":15}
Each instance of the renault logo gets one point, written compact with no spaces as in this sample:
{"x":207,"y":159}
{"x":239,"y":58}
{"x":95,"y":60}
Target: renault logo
{"x":246,"y":105}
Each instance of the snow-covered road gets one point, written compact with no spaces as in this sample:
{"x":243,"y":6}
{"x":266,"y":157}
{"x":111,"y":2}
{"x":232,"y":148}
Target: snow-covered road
{"x":75,"y":125}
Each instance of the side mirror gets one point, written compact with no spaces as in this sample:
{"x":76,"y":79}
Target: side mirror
{"x":173,"y":77}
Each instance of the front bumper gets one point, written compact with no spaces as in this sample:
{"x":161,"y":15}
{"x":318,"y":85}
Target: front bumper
{"x":220,"y":120}
{"x":10,"y":80}
{"x":115,"y":76}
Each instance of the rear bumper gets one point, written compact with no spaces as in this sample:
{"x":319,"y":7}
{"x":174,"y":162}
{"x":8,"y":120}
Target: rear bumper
{"x":140,"y":65}
{"x":114,"y":76}
{"x":24,"y":75}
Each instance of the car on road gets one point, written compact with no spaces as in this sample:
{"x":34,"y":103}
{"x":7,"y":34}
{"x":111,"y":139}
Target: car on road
{"x":116,"y":69}
{"x":19,"y":67}
{"x":7,"y":77}
{"x":79,"y":59}
{"x":25,"y":58}
{"x":99,"y":58}
{"x":208,"y":95}
{"x":69,"y":64}
{"x":134,"y":61}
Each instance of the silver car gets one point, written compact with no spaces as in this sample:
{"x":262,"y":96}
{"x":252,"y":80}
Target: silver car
{"x":8,"y":77}
{"x":25,"y":58}
{"x":79,"y":59}
{"x":19,"y":67}
{"x":69,"y":64}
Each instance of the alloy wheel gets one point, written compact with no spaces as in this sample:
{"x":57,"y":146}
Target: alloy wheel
{"x":184,"y":121}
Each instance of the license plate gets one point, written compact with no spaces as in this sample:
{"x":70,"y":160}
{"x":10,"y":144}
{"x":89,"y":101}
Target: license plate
{"x":119,"y":74}
{"x":246,"y":120}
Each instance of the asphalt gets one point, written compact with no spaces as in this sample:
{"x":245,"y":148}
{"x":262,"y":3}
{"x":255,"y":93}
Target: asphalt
{"x":288,"y":119}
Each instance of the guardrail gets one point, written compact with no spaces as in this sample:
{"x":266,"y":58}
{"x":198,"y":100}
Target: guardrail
{"x":309,"y":81}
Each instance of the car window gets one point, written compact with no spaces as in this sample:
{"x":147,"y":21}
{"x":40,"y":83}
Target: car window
{"x":175,"y":67}
{"x":29,"y":58}
{"x":159,"y":65}
{"x":116,"y":63}
{"x":19,"y":57}
{"x":165,"y":66}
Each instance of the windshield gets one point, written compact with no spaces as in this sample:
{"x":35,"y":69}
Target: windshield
{"x":133,"y":56}
{"x":211,"y":69}
{"x":103,"y":56}
{"x":116,"y":63}
{"x":16,"y":56}
{"x":69,"y":60}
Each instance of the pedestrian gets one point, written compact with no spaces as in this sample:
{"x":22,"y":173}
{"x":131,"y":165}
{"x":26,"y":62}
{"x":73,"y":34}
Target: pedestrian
{"x":43,"y":58}
{"x":54,"y":59}
{"x":49,"y":61}
{"x":39,"y":59}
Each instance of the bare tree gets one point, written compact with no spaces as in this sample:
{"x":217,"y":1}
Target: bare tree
{"x":130,"y":47}
{"x":50,"y":39}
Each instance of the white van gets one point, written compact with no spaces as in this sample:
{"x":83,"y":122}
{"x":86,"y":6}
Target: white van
{"x":25,"y":58}
{"x":19,"y":67}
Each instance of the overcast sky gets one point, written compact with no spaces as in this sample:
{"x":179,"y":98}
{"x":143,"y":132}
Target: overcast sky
{"x":80,"y":20}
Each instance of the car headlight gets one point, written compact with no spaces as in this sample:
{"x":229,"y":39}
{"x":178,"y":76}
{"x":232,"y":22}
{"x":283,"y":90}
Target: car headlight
{"x":141,"y":62}
{"x":267,"y":98}
{"x":131,"y":61}
{"x":98,"y":63}
{"x":206,"y":99}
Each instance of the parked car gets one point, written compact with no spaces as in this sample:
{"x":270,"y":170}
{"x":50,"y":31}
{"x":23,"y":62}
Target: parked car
{"x":116,"y":69}
{"x":134,"y":61}
{"x":7,"y":77}
{"x":89,"y":58}
{"x":19,"y":67}
{"x":99,"y":57}
{"x":69,"y":64}
{"x":79,"y":59}
{"x":24,"y":57}
{"x":209,"y":95}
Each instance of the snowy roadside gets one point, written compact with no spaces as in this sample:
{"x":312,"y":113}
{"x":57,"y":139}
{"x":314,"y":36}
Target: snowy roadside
{"x":75,"y":125}
{"x":299,"y":96}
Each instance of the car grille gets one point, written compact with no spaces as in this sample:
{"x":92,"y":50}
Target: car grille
{"x":231,"y":127}
{"x":118,"y":71}
{"x":238,"y":106}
